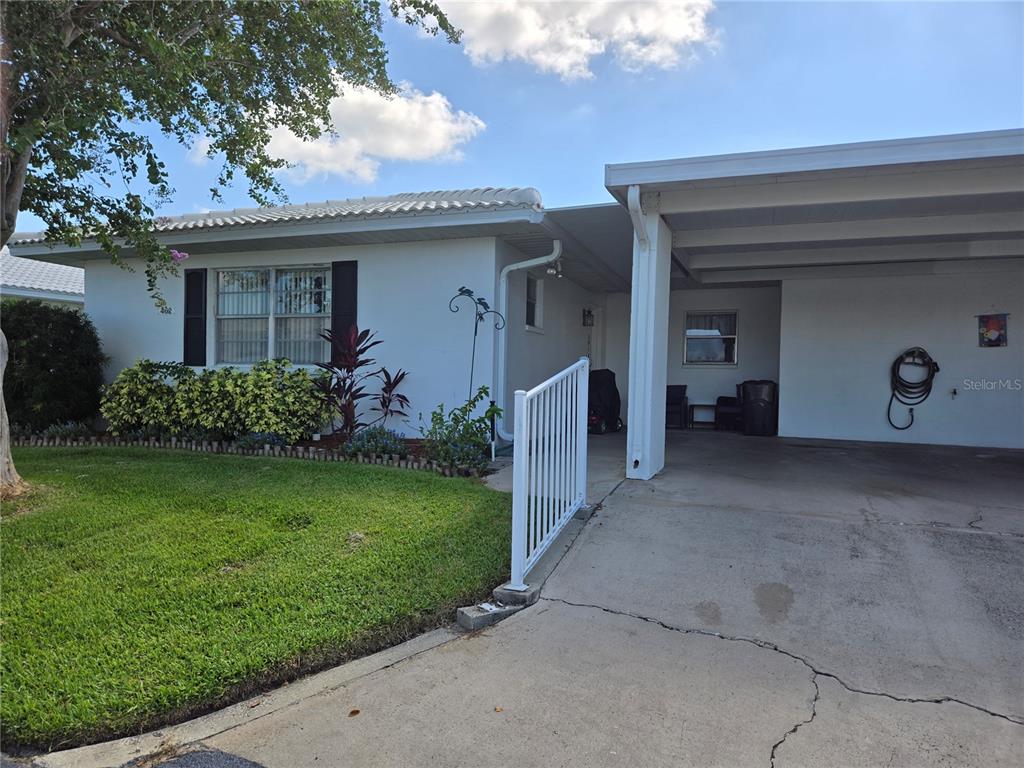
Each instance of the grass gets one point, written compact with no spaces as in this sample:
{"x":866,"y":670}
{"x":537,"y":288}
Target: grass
{"x":142,"y":587}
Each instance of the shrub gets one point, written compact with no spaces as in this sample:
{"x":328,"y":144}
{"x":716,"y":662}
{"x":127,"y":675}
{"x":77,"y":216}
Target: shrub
{"x":141,"y":398}
{"x":21,"y":430}
{"x":458,"y":438}
{"x":347,"y":378}
{"x":55,"y":369}
{"x":377,"y":440}
{"x":283,"y":402}
{"x":207,"y":405}
{"x":154,"y":399}
{"x":69,"y":429}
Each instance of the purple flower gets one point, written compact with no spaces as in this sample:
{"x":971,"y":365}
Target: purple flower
{"x":178,"y":256}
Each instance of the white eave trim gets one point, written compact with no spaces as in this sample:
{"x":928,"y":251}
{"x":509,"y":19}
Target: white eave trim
{"x":34,"y":293}
{"x":965,"y":146}
{"x":285,"y":230}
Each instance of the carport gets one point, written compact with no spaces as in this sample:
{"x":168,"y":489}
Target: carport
{"x":875,"y":247}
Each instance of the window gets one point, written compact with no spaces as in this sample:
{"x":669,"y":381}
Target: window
{"x":534,"y":296}
{"x":301,"y":312}
{"x":710,"y":338}
{"x":263,"y":313}
{"x":243,"y":315}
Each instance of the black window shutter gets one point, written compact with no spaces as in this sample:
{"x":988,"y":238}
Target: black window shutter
{"x":344,"y":285}
{"x":195,"y":317}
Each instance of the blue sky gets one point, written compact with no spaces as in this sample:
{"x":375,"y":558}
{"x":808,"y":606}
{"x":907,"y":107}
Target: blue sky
{"x":750,"y":76}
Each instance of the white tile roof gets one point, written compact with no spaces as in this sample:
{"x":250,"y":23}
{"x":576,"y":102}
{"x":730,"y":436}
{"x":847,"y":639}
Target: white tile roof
{"x":404,"y":204}
{"x":32,"y":275}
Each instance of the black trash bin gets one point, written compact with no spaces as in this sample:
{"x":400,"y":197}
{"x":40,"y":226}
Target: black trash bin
{"x":760,"y":407}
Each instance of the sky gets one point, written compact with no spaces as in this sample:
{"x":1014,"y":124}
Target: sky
{"x":543,"y":94}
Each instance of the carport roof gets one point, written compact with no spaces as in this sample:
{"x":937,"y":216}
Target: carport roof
{"x":761,"y":217}
{"x":657,"y":175}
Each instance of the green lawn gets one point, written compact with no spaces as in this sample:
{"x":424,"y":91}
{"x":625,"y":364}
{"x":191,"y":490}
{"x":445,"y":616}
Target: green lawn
{"x":143,"y":586}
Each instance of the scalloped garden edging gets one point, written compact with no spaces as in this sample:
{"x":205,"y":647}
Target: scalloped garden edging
{"x":306,"y":452}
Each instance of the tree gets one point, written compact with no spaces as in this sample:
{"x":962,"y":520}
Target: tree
{"x":83,"y":83}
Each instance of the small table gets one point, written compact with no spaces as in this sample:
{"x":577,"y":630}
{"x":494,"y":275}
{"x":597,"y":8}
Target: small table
{"x":691,"y":423}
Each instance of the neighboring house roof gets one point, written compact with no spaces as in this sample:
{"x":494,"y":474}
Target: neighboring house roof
{"x":382,"y":207}
{"x":38,"y":279}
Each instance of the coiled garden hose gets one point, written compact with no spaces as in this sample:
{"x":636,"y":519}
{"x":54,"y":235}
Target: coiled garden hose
{"x":910,"y":393}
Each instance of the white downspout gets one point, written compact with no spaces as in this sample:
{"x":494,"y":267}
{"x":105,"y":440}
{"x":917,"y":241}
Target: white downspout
{"x":501,"y":378}
{"x":634,"y":205}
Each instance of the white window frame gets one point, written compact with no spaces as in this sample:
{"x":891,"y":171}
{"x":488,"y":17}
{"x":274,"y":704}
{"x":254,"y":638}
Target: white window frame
{"x":734,"y":336}
{"x":538,"y":303}
{"x":272,"y":313}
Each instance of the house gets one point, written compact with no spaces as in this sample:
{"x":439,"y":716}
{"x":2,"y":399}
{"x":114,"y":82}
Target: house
{"x":814,"y":268}
{"x":55,"y":284}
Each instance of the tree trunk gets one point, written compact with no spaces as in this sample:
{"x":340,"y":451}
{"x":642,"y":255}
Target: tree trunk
{"x":10,"y":481}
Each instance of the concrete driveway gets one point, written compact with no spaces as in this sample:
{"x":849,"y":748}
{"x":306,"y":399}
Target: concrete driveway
{"x":761,"y":602}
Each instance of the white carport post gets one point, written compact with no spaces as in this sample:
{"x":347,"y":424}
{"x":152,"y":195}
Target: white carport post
{"x":648,"y":337}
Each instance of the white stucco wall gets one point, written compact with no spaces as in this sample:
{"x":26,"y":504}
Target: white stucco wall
{"x":840,"y":336}
{"x":403,"y":295}
{"x":535,"y":355}
{"x":757,"y":340}
{"x":757,"y":317}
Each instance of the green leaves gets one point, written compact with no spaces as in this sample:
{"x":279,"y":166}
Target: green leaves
{"x":216,"y":404}
{"x":56,"y":362}
{"x":458,"y":438}
{"x":141,"y":398}
{"x":87,"y":81}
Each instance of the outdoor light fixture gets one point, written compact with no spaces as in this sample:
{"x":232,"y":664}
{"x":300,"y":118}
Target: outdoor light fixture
{"x":555,"y":269}
{"x":588,"y":318}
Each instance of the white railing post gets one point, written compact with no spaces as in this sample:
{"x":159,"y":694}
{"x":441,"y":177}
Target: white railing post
{"x":549,"y":464}
{"x":582,"y":412}
{"x":520,"y":457}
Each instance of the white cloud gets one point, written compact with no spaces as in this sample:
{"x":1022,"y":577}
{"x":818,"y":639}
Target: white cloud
{"x":371,"y":128}
{"x":197,"y":152}
{"x":562,"y":37}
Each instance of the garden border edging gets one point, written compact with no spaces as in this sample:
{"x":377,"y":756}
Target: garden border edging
{"x":308,"y":453}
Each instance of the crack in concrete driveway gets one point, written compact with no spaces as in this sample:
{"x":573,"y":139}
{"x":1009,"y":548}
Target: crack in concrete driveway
{"x":769,"y":646}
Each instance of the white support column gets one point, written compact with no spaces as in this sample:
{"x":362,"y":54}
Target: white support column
{"x":648,"y":345}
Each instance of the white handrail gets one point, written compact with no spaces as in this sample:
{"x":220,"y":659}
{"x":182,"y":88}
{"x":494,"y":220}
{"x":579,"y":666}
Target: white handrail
{"x":549,"y":465}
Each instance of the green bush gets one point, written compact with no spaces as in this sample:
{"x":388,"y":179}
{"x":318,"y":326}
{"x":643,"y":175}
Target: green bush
{"x":283,"y":402}
{"x":208,"y":404}
{"x":379,"y":440}
{"x":55,"y":369}
{"x":272,"y":398}
{"x":68,"y":430}
{"x":141,"y":398}
{"x":458,"y":438}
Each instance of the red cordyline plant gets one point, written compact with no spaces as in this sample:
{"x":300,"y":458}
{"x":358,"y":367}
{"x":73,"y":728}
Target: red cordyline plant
{"x":351,"y":373}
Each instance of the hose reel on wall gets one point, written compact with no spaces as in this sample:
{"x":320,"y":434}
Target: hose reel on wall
{"x":910,"y":392}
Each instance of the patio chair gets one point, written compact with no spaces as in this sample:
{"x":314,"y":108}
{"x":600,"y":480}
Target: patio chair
{"x":729,"y":411}
{"x":676,"y":404}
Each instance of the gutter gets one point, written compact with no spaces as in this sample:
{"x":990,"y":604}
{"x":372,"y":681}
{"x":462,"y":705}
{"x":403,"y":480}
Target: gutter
{"x":502,"y":351}
{"x":41,"y":294}
{"x":636,"y":213}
